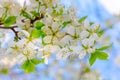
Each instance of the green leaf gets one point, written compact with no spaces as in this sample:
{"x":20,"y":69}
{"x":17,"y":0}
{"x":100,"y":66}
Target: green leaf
{"x":34,"y":13}
{"x":39,"y":25}
{"x":92,"y":59}
{"x":35,"y":61}
{"x":4,"y":71}
{"x":43,"y":43}
{"x":100,"y":33}
{"x":28,"y":66}
{"x":66,"y":23}
{"x":35,"y":34}
{"x":91,"y":23}
{"x":42,"y":60}
{"x":104,"y":47}
{"x":42,"y":34}
{"x":1,"y":21}
{"x":60,"y":12}
{"x":82,"y":19}
{"x":87,"y":70}
{"x":54,"y":11}
{"x":102,"y":55}
{"x":25,"y":14}
{"x":10,"y":20}
{"x":97,"y":55}
{"x":97,"y":30}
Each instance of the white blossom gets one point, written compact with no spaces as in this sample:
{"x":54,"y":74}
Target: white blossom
{"x":62,"y":33}
{"x":117,"y":61}
{"x":70,"y":30}
{"x":47,"y":39}
{"x":86,"y":24}
{"x":63,"y":54}
{"x":82,"y":54}
{"x":84,"y":34}
{"x":65,"y":40}
{"x":91,"y":50}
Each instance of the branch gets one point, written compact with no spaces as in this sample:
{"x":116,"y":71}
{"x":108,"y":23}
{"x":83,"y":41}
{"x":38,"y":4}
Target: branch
{"x":11,"y":28}
{"x":37,"y":18}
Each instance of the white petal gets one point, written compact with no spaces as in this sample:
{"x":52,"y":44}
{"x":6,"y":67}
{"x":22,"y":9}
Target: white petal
{"x":47,"y":39}
{"x":47,"y":48}
{"x":46,"y":30}
{"x":85,"y":42}
{"x":55,"y":26}
{"x":60,"y":34}
{"x":82,"y":54}
{"x":91,"y":50}
{"x":21,"y":58}
{"x":46,"y":59}
{"x":65,"y":40}
{"x":70,"y":30}
{"x":94,"y":36}
{"x":90,"y":42}
{"x":23,"y":33}
{"x":55,"y":49}
{"x":55,"y":40}
{"x":76,"y":49}
{"x":84,"y":34}
{"x":86,"y":24}
{"x":95,"y":26}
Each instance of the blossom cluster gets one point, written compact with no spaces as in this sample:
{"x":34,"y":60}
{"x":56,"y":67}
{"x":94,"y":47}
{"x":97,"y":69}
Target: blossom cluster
{"x":43,"y":27}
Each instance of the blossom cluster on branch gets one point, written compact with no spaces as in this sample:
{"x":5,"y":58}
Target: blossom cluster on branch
{"x":44,"y":27}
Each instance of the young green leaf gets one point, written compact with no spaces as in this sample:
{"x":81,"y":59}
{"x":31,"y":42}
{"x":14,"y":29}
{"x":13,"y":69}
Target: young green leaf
{"x":87,"y":70}
{"x":102,"y":55}
{"x":39,"y":25}
{"x":92,"y":59}
{"x":97,"y":55}
{"x":104,"y":47}
{"x":42,"y":34}
{"x":91,"y":23}
{"x":100,"y":33}
{"x":82,"y":19}
{"x":10,"y":20}
{"x":97,"y":30}
{"x":28,"y":66}
{"x":60,"y":12}
{"x":34,"y":13}
{"x":35,"y":61}
{"x":42,"y":60}
{"x":4,"y":71}
{"x":43,"y":43}
{"x":25,"y":14}
{"x":35,"y":34}
{"x":66,"y":23}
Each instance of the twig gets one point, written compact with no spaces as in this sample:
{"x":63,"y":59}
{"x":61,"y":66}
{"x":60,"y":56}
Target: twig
{"x":37,"y":18}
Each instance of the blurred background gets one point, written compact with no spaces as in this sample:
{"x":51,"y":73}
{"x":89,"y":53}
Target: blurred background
{"x":107,"y":14}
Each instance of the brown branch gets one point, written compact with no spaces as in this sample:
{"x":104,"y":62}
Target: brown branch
{"x":37,"y":18}
{"x":11,"y":28}
{"x":32,"y":21}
